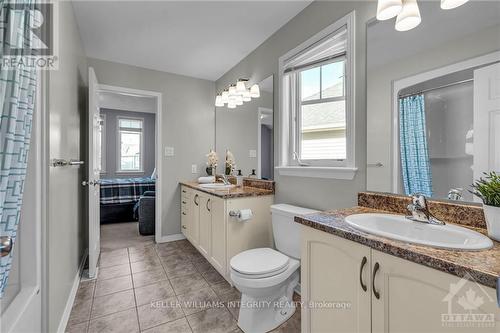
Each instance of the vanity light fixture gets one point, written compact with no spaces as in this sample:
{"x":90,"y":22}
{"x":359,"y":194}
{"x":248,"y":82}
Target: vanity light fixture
{"x":407,"y":12}
{"x":237,"y":94}
{"x":409,"y":17}
{"x":450,"y":4}
{"x":387,"y":9}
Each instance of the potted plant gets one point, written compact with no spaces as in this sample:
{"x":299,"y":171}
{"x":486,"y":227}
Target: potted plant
{"x":230,"y":163}
{"x":488,"y":190}
{"x":211,"y":163}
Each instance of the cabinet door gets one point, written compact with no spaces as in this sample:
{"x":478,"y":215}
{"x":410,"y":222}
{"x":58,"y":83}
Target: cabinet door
{"x":205,"y":224}
{"x":194,"y":218}
{"x":335,"y":273}
{"x":415,"y":298}
{"x":218,"y":235}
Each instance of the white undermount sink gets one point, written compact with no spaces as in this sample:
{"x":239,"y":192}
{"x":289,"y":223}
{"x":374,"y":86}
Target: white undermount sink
{"x":400,"y":228}
{"x":217,"y":186}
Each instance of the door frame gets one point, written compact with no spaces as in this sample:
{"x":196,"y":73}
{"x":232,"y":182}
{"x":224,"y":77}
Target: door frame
{"x":398,"y":85}
{"x":158,"y":143}
{"x":261,"y":111}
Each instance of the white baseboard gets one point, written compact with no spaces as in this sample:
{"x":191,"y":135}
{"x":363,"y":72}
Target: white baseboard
{"x":71,"y":298}
{"x":170,"y":238}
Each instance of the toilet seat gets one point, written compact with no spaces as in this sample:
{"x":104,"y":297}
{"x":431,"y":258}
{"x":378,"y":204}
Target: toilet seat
{"x":259,"y":263}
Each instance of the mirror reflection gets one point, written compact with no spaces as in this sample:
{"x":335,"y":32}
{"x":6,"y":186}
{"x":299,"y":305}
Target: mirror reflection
{"x":428,"y":105}
{"x":247,"y":132}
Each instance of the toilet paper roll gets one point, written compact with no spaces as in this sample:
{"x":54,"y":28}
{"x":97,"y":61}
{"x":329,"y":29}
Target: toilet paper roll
{"x":245,"y":215}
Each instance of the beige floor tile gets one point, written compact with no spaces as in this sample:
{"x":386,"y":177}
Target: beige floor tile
{"x":120,"y":322}
{"x":113,"y":253}
{"x":80,"y":312}
{"x":232,"y":302}
{"x":110,"y":286}
{"x":183,"y":270}
{"x":212,"y":276}
{"x":188,"y":283}
{"x":175,"y":265}
{"x":159,"y":312}
{"x":217,"y":320}
{"x":202,"y":265}
{"x":112,"y":303}
{"x":153,"y":292}
{"x":148,"y":277}
{"x":85,"y":291}
{"x":78,"y":328}
{"x":199,"y":300}
{"x":113,"y":272}
{"x":142,"y":256}
{"x":176,"y":326}
{"x":151,"y":264}
{"x":108,"y":261}
{"x":164,"y":246}
{"x":223,"y":288}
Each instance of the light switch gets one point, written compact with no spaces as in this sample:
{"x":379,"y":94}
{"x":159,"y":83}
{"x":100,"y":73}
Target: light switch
{"x":252,"y":153}
{"x":194,"y":168}
{"x":169,"y":151}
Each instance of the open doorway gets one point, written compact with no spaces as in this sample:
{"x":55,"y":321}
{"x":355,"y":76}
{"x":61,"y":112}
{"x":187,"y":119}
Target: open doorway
{"x":128,"y":156}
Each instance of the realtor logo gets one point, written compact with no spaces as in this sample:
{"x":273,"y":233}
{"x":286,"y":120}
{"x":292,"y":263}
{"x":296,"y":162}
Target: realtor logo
{"x":28,"y":35}
{"x":466,"y":304}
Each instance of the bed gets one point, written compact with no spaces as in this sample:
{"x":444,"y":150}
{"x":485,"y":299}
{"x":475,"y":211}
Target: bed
{"x":118,"y":197}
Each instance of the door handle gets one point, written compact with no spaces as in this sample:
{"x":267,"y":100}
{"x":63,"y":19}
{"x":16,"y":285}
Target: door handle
{"x":92,"y":182}
{"x":208,"y":202}
{"x":363,"y":263}
{"x":184,"y":227}
{"x":375,"y":270}
{"x":5,"y":245}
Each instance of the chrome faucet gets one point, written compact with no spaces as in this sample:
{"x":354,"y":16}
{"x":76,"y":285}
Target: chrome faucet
{"x":420,"y":211}
{"x":223,"y":178}
{"x":456,"y":194}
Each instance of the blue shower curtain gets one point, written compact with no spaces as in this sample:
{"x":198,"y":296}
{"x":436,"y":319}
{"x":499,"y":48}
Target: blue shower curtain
{"x":415,"y":164}
{"x":17,"y":100}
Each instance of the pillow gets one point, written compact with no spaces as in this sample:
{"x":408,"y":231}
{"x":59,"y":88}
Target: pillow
{"x":153,"y":175}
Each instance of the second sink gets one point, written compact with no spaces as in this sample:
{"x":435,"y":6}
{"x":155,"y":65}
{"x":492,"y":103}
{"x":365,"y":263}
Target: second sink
{"x":400,"y":228}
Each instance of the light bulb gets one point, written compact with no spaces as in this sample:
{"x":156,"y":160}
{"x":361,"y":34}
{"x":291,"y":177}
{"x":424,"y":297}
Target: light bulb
{"x":387,"y":9}
{"x":246,"y":96}
{"x":232,"y":91}
{"x":409,"y":17}
{"x":240,"y":87}
{"x":218,"y":101}
{"x":225,"y":96}
{"x":450,"y":4}
{"x":255,"y":91}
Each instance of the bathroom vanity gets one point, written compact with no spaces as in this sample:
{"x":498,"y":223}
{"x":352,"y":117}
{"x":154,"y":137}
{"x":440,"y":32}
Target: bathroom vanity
{"x":357,"y":282}
{"x":207,"y":224}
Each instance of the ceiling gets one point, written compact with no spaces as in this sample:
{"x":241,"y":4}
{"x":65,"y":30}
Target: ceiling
{"x":386,"y":45}
{"x":202,"y":39}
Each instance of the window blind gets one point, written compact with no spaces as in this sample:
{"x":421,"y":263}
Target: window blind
{"x":330,"y":47}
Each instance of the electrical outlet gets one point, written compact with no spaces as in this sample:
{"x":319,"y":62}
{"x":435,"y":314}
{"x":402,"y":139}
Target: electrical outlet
{"x":169,"y":151}
{"x":252,"y":153}
{"x":194,"y":168}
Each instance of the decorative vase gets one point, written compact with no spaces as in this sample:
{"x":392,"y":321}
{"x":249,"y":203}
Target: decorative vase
{"x":228,"y":170}
{"x":209,"y":171}
{"x":492,"y":216}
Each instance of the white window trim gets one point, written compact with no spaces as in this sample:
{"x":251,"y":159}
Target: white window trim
{"x":286,"y":166}
{"x":118,"y":150}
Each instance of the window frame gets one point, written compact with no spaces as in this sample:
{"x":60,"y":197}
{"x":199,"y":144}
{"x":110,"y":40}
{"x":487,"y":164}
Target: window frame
{"x":103,"y":143}
{"x":290,"y":102}
{"x":119,"y":145}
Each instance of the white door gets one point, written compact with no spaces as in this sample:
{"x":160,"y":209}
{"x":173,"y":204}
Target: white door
{"x":21,"y":304}
{"x":486,"y":120}
{"x":93,"y":168}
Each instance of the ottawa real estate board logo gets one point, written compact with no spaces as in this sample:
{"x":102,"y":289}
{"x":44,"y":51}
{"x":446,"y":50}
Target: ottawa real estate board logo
{"x":28,"y":35}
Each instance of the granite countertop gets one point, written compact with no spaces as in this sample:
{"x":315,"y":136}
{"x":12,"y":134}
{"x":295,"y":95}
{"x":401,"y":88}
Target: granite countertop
{"x":483,"y":266}
{"x":235,"y":192}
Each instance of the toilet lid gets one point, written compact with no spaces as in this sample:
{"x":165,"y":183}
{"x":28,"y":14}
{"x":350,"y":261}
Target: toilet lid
{"x":259,"y":261}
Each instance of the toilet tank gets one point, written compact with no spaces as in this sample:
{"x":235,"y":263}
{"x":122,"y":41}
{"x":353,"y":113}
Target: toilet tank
{"x":286,"y":232}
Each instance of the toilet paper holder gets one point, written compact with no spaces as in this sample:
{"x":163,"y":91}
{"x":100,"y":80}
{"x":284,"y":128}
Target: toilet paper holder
{"x":235,"y":213}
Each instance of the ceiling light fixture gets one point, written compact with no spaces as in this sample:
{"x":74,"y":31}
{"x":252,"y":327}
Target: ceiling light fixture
{"x":387,"y":9}
{"x":237,"y":94}
{"x":218,"y":101}
{"x":225,"y":97}
{"x":255,"y":91}
{"x":409,"y":17}
{"x":240,"y":86}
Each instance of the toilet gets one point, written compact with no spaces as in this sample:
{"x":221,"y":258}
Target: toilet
{"x":266,"y":277}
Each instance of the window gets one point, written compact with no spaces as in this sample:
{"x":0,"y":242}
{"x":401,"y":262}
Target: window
{"x":317,"y":104}
{"x":130,"y":144}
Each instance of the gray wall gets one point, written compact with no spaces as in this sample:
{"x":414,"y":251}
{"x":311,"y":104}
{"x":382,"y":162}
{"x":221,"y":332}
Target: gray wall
{"x":236,"y":130}
{"x":187,"y":125}
{"x":65,"y":234}
{"x":266,"y":146}
{"x":111,"y":153}
{"x":379,"y":85}
{"x":262,"y":62}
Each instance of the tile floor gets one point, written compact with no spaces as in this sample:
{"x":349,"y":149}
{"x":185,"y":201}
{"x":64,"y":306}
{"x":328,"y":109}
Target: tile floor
{"x":119,"y":235}
{"x":165,"y":287}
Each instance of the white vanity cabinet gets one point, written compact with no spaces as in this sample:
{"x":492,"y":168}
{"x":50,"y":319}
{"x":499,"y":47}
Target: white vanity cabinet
{"x":386,"y":293}
{"x":206,"y":223}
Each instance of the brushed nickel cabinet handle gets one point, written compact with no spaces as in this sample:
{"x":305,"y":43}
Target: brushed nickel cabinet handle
{"x":363,"y":263}
{"x":375,"y":270}
{"x":208,"y":202}
{"x":196,"y":199}
{"x":184,"y":202}
{"x":184,"y":227}
{"x":183,"y":213}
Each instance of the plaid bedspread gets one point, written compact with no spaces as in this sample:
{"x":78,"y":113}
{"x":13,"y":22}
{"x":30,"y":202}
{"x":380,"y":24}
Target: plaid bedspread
{"x":124,"y":190}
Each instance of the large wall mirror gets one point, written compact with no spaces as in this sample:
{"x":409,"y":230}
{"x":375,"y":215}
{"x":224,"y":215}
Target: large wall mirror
{"x":247,"y":131}
{"x":433,"y":101}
